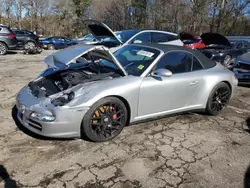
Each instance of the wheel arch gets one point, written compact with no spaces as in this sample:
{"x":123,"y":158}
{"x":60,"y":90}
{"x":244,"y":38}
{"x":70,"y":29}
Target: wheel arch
{"x":30,"y":41}
{"x":229,"y":84}
{"x":125,"y":102}
{"x":5,"y":44}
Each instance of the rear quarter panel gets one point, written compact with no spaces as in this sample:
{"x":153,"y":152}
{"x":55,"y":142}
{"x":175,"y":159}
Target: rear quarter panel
{"x":213,"y":77}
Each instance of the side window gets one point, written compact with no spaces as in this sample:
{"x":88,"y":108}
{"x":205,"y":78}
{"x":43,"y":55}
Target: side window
{"x":239,"y":45}
{"x":176,"y":62}
{"x":59,"y":39}
{"x":142,"y":38}
{"x":19,"y":32}
{"x":196,"y":64}
{"x":159,"y":37}
{"x":162,"y":37}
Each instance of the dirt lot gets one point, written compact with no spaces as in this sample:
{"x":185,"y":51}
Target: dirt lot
{"x":185,"y":151}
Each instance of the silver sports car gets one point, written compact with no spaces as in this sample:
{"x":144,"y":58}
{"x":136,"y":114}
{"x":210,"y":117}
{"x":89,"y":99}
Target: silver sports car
{"x":88,"y":91}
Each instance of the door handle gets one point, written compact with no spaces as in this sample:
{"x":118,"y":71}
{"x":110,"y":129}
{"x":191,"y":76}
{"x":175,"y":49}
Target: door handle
{"x":194,"y":83}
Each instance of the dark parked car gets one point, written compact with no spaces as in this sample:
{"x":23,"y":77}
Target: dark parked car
{"x":26,"y":39}
{"x":8,"y":40}
{"x":242,"y":68}
{"x":53,"y":43}
{"x":219,"y":49}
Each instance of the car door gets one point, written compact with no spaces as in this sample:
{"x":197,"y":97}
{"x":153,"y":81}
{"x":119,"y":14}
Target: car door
{"x":59,"y":42}
{"x":67,"y":42}
{"x":160,"y":95}
{"x":21,"y":38}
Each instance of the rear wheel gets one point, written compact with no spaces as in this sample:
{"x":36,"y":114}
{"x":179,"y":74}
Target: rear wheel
{"x":3,"y":49}
{"x":218,"y":99}
{"x":104,"y":120}
{"x":51,"y":47}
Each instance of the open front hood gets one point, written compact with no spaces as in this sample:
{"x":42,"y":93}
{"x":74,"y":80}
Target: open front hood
{"x":100,"y":30}
{"x":214,"y":38}
{"x":63,"y":58}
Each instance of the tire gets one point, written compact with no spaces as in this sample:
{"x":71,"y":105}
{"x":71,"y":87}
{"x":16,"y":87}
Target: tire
{"x":104,"y":120}
{"x":3,"y":49}
{"x":51,"y":47}
{"x":218,"y":99}
{"x":30,"y":45}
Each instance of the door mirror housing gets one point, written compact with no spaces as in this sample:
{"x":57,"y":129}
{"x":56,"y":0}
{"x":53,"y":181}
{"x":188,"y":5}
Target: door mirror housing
{"x":161,"y":73}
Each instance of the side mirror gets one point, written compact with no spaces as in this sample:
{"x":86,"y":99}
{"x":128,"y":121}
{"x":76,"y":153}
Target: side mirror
{"x":161,"y":73}
{"x":137,"y":42}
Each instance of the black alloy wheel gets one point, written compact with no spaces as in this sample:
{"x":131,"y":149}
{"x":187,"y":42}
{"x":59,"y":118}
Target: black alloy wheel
{"x":105,"y":120}
{"x":218,"y":99}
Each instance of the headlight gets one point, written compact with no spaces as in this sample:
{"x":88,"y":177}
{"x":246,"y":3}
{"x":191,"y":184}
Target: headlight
{"x":42,"y":117}
{"x":62,"y":100}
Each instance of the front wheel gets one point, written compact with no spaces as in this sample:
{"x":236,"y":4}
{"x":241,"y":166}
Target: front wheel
{"x":51,"y":47}
{"x":104,"y":120}
{"x":30,"y":45}
{"x":218,"y":99}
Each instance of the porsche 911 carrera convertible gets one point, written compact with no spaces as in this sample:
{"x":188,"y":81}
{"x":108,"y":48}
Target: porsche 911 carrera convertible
{"x":88,"y":91}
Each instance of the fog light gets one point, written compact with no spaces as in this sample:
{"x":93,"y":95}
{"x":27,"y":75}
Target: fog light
{"x":42,"y":117}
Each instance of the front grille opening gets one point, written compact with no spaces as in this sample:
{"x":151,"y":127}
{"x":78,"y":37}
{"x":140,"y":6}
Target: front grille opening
{"x":35,"y":124}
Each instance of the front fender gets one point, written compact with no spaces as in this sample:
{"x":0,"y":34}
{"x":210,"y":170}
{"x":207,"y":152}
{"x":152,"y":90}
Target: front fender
{"x":127,"y":87}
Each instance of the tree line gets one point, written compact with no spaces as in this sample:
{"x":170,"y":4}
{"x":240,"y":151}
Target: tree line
{"x":65,"y":17}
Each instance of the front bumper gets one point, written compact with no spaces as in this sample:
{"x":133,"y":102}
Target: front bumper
{"x":67,"y":123}
{"x":56,"y":129}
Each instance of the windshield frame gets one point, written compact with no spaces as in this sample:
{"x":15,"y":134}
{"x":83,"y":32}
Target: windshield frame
{"x":152,"y":64}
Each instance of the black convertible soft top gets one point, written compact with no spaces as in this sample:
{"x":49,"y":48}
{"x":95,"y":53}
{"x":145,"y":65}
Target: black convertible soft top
{"x":207,"y":63}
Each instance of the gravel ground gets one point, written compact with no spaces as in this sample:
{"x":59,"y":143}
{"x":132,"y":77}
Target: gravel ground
{"x":186,"y":151}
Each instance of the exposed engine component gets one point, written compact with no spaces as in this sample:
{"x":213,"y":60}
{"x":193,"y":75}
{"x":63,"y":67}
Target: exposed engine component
{"x":64,"y":80}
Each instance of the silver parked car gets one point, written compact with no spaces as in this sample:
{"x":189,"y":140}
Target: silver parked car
{"x":115,"y":40}
{"x":92,"y":92}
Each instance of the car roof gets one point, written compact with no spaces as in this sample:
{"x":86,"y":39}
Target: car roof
{"x":207,"y":63}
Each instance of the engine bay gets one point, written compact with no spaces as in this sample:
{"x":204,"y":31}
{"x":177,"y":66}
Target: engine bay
{"x":65,"y":79}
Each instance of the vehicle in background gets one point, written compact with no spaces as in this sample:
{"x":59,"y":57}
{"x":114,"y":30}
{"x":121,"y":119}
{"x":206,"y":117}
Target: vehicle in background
{"x":237,"y":44}
{"x":115,"y":40}
{"x":87,"y":39}
{"x":242,"y":68}
{"x":53,"y":43}
{"x":8,"y":40}
{"x":219,"y":49}
{"x":191,"y":41}
{"x":26,"y":39}
{"x":237,"y":38}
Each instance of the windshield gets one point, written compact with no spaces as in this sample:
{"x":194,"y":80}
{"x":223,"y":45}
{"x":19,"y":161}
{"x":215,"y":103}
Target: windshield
{"x":125,"y":35}
{"x":136,"y":59}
